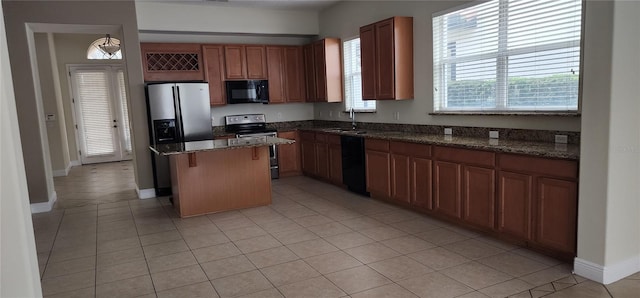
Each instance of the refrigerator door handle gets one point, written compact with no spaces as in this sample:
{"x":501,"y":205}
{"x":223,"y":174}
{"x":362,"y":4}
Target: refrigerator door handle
{"x":179,"y":113}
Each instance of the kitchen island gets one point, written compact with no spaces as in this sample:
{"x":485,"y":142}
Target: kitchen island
{"x":219,"y":175}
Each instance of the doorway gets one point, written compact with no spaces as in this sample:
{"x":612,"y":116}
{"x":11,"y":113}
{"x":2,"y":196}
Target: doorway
{"x":100,"y":108}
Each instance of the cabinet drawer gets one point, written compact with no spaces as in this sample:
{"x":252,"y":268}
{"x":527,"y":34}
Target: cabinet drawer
{"x":472,"y":157}
{"x":411,"y":149}
{"x":537,"y":165}
{"x":321,"y":137}
{"x":291,"y":135}
{"x":334,"y":139}
{"x":307,"y":136}
{"x":377,"y":145}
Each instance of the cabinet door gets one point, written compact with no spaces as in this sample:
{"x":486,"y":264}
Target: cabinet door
{"x":447,"y":188}
{"x":400,"y":178}
{"x":479,"y":196}
{"x":322,"y":160}
{"x":378,"y":173}
{"x":234,"y":58}
{"x":421,"y":182}
{"x":556,"y":214}
{"x":309,"y":73}
{"x":335,"y":163}
{"x":214,"y":73}
{"x":294,"y":74}
{"x":368,"y":61}
{"x":320,"y":66}
{"x":276,"y":78}
{"x":308,"y":150}
{"x":289,"y":155}
{"x":514,"y":204}
{"x":385,"y":63}
{"x":256,"y":63}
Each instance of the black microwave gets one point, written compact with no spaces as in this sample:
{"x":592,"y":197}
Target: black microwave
{"x":251,"y":91}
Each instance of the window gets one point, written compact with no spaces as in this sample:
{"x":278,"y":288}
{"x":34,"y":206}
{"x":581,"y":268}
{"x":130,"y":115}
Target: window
{"x":94,"y":52}
{"x":353,"y":78}
{"x":507,"y":55}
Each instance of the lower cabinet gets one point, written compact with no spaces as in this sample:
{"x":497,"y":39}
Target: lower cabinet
{"x":556,"y":211}
{"x":308,"y":152}
{"x":400,"y":178}
{"x":515,"y":193}
{"x":421,"y":182}
{"x":377,"y":164}
{"x":335,"y":159}
{"x":321,"y":156}
{"x":479,"y":196}
{"x":447,"y":189}
{"x":289,"y":155}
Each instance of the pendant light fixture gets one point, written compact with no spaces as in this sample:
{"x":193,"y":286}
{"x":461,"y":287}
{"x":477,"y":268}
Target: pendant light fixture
{"x":109,"y":46}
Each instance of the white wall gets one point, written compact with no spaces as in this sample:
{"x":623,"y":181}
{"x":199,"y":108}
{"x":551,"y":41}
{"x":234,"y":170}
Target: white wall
{"x":344,"y":19}
{"x":19,"y":274}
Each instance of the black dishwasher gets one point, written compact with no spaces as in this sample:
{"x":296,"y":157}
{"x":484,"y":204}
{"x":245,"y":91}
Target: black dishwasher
{"x":353,"y":164}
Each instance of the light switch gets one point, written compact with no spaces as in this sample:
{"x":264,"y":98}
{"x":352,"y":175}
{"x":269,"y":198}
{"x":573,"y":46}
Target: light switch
{"x":562,"y":139}
{"x":50,"y":117}
{"x":494,"y":134}
{"x":448,"y":131}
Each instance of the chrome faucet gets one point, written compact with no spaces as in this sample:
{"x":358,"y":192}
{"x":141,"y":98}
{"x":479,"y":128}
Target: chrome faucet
{"x":352,"y":114}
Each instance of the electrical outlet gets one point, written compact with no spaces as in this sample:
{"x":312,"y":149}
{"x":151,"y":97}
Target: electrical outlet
{"x":562,"y":139}
{"x":494,"y":134}
{"x":330,"y":114}
{"x":397,"y":116}
{"x":320,"y":113}
{"x":279,"y":115}
{"x":448,"y":131}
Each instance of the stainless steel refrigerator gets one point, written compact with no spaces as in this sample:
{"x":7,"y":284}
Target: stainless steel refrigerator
{"x":178,"y":112}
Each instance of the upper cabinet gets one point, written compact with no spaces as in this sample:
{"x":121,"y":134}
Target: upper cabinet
{"x":323,"y":68}
{"x":387,"y":59}
{"x":172,"y":62}
{"x":214,"y":73}
{"x":285,"y":74}
{"x":245,"y":62}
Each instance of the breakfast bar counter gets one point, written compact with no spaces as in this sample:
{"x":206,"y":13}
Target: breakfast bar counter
{"x":219,"y":175}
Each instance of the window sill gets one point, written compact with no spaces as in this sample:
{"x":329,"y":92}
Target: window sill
{"x":360,"y":111}
{"x":514,"y":113}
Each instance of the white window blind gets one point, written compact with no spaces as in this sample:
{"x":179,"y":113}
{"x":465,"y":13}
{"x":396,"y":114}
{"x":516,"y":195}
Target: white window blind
{"x":353,"y":78}
{"x":125,"y":111}
{"x":508,"y":55}
{"x":93,"y":97}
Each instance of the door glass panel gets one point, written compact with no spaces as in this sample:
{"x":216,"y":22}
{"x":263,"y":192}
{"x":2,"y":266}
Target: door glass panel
{"x":95,"y":110}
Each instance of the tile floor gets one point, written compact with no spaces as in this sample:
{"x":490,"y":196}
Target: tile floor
{"x":315,"y":240}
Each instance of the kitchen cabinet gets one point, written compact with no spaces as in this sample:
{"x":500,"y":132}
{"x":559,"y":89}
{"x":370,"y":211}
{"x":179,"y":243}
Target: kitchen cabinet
{"x":411,"y":174}
{"x":214,"y":73}
{"x":322,"y":156}
{"x":289,"y":155}
{"x":285,"y":74}
{"x":377,"y":164}
{"x":538,"y":201}
{"x":447,"y":188}
{"x":172,"y":62}
{"x":400,"y":180}
{"x":387,"y":59}
{"x":275,"y":71}
{"x":245,"y":62}
{"x":335,"y":159}
{"x":479,"y":199}
{"x":309,"y":73}
{"x":421,"y":182}
{"x":323,"y":64}
{"x":308,"y":151}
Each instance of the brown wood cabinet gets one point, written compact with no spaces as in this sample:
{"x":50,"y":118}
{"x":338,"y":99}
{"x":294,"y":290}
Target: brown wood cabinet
{"x":308,"y":151}
{"x":400,"y":178}
{"x":172,"y":62}
{"x":322,"y":156}
{"x":335,"y":159}
{"x":309,"y":73}
{"x":289,"y":155}
{"x":479,"y":199}
{"x":447,"y":188}
{"x":285,"y":74}
{"x":323,"y":61}
{"x":515,"y":192}
{"x":411,"y":174}
{"x":421,"y":182}
{"x":214,"y":73}
{"x":245,"y":62}
{"x":275,"y":67}
{"x":377,"y":164}
{"x":556,"y":214}
{"x":387,"y":59}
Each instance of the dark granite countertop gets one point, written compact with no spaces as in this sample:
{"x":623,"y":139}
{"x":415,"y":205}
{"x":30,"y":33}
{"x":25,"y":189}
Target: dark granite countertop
{"x":212,"y":145}
{"x":541,"y":149}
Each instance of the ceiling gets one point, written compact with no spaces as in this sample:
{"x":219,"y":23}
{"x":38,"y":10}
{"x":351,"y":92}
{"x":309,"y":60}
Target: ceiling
{"x":309,"y":5}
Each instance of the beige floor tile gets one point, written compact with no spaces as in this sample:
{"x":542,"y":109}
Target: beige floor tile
{"x":69,"y":282}
{"x":82,"y":293}
{"x":435,"y":285}
{"x":117,"y":245}
{"x":178,"y":277}
{"x":240,"y":221}
{"x":160,"y":237}
{"x":441,"y":236}
{"x":387,"y":291}
{"x":294,"y":236}
{"x":407,"y":244}
{"x":209,"y":228}
{"x":297,"y":212}
{"x":279,"y":225}
{"x":116,"y":234}
{"x":587,"y":289}
{"x":497,"y":243}
{"x":311,"y":248}
{"x":382,"y":233}
{"x":513,"y":264}
{"x":625,"y":288}
{"x":121,"y":271}
{"x":473,"y":249}
{"x":120,"y":224}
{"x":169,"y":262}
{"x":361,"y":223}
{"x":318,"y":287}
{"x":474,"y":294}
{"x":287,"y":273}
{"x":72,"y":253}
{"x":113,"y":205}
{"x":342,"y":214}
{"x":216,"y":252}
{"x":547,"y":275}
{"x":272,"y":256}
{"x":400,"y":268}
{"x":163,"y":249}
{"x":313,"y":220}
{"x":190,"y":222}
{"x":241,"y":284}
{"x":146,"y":229}
{"x":549,"y":261}
{"x":395,"y":216}
{"x":199,"y":290}
{"x":70,"y":266}
{"x":204,"y":240}
{"x":632,"y":276}
{"x":372,"y":252}
{"x":416,"y":225}
{"x":270,"y":293}
{"x":349,"y":240}
{"x":118,"y":257}
{"x":132,"y":287}
{"x":257,"y":243}
{"x":332,"y":262}
{"x":358,"y":279}
{"x":226,"y":215}
{"x":227,"y":267}
{"x":438,"y":258}
{"x":476,"y":275}
{"x":507,"y":288}
{"x":245,"y":233}
{"x":330,"y":229}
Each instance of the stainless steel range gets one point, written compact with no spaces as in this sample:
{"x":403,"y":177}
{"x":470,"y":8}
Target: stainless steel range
{"x":254,"y":125}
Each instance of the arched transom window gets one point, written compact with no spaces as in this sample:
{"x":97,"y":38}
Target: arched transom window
{"x":95,"y":52}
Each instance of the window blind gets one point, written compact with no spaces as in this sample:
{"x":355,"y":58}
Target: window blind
{"x":125,"y":111}
{"x":506,"y":55}
{"x":93,"y":97}
{"x":353,"y":78}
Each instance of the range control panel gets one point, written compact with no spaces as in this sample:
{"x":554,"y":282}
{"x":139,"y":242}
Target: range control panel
{"x":245,"y":119}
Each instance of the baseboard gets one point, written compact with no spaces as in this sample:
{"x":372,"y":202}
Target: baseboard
{"x":606,"y":274}
{"x":146,"y":193}
{"x":74,"y":163}
{"x":44,"y":206}
{"x":65,"y":171}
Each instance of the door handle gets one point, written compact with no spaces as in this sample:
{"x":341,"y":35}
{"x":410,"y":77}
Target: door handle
{"x":115,"y":126}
